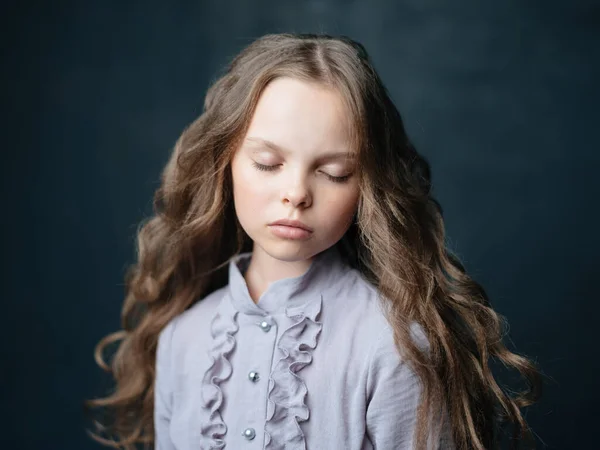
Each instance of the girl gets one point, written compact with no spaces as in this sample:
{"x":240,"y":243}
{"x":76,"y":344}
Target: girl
{"x":293,"y":289}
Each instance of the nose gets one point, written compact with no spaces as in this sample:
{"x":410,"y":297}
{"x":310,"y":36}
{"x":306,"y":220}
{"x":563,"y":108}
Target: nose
{"x":297,"y":194}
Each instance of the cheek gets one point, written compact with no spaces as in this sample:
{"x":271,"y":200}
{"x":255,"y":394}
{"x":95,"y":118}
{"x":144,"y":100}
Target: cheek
{"x":250,"y":194}
{"x":340,"y":206}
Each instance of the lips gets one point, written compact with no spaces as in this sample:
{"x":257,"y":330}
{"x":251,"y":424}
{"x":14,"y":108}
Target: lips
{"x":292,"y":223}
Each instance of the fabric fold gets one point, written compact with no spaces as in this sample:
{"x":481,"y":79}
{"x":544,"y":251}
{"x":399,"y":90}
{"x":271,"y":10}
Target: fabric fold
{"x":286,"y":406}
{"x":223,"y":328}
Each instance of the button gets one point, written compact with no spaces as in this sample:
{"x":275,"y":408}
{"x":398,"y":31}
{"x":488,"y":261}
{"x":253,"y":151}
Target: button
{"x":253,"y":376}
{"x":265,"y":326}
{"x":249,"y":433}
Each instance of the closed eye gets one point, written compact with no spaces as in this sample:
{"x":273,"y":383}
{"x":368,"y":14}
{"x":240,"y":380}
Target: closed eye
{"x":337,"y":179}
{"x":266,"y":168}
{"x":263,"y":167}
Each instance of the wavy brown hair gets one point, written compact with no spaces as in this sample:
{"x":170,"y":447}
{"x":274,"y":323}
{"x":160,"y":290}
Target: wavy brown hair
{"x":397,"y":241}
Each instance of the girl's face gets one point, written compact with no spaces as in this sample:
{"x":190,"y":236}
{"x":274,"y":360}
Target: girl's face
{"x":296,"y":163}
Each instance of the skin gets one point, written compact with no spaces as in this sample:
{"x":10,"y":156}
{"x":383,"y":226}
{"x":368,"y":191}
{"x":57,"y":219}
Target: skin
{"x":295,"y":132}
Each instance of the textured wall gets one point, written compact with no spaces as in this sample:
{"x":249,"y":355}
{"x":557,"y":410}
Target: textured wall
{"x":500,"y":96}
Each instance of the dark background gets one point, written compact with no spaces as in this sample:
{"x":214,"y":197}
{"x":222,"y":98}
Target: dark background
{"x":501,"y":97}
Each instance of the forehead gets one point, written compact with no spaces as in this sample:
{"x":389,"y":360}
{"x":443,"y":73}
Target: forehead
{"x":301,"y":116}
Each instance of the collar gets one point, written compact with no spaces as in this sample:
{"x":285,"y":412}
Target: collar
{"x":287,"y":295}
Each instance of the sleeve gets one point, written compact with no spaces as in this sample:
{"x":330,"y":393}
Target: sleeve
{"x":393,"y":391}
{"x":162,"y":390}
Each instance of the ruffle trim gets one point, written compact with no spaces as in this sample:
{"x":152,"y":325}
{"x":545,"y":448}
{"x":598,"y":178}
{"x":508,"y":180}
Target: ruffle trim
{"x":286,"y":406}
{"x":223,"y":328}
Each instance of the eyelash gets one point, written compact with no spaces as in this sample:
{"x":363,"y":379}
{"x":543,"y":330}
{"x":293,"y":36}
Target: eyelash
{"x":272,"y":168}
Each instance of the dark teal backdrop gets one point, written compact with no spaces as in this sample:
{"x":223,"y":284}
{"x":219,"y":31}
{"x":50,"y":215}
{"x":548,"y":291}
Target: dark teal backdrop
{"x":502,"y":97}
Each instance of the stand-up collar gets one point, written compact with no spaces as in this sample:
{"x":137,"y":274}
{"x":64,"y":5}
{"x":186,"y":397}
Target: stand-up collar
{"x":294,"y":293}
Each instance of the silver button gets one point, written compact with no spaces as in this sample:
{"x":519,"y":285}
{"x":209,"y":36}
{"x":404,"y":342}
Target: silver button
{"x":249,"y":433}
{"x":253,"y":376}
{"x":265,"y":326}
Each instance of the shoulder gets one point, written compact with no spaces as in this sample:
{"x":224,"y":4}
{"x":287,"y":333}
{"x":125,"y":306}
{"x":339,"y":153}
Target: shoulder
{"x":384,"y":343}
{"x":193,"y":322}
{"x":384,"y":351}
{"x":201,"y":312}
{"x":367,"y":312}
{"x":355,"y":325}
{"x":358,"y":302}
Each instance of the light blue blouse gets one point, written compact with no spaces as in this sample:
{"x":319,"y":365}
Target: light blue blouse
{"x":312,"y":365}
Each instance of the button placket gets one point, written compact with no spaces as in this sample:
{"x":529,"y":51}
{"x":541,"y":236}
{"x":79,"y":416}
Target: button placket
{"x":266,"y":327}
{"x":266,"y":324}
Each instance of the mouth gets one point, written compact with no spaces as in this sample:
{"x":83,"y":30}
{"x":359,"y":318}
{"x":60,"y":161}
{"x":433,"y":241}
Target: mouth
{"x":290,"y":229}
{"x":291,"y":224}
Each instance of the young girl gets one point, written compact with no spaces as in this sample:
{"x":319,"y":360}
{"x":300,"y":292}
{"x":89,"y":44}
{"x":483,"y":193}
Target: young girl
{"x":293,"y":289}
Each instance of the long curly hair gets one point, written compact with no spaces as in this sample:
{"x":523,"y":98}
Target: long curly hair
{"x":397,"y":241}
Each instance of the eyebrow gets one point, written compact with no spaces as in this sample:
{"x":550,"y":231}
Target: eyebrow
{"x":272,"y":146}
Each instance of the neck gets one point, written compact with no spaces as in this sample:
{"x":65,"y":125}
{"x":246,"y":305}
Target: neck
{"x":265,"y":269}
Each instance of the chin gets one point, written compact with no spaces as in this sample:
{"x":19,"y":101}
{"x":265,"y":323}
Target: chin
{"x":288,"y":251}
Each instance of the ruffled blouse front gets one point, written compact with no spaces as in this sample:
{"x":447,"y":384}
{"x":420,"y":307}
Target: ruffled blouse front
{"x":295,"y":303}
{"x":312,"y":365}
